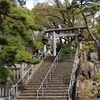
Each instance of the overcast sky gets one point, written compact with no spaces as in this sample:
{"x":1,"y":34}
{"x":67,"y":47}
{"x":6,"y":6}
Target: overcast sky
{"x":30,"y":3}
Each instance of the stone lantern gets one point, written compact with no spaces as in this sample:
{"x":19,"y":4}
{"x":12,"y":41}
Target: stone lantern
{"x":44,"y":40}
{"x":80,"y":39}
{"x":48,"y":46}
{"x":48,"y":49}
{"x":80,"y":36}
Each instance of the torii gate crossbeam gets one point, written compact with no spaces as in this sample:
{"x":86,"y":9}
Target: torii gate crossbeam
{"x":62,"y":35}
{"x":66,"y":35}
{"x":65,"y":29}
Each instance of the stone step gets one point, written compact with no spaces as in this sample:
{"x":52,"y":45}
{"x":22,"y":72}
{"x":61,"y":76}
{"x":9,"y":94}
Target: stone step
{"x":48,"y":85}
{"x":67,"y":81}
{"x":60,"y":79}
{"x":45,"y":94}
{"x":49,"y":88}
{"x":57,"y":87}
{"x":54,"y":78}
{"x":43,"y":97}
{"x":61,"y":75}
{"x":58,"y":69}
{"x":46,"y":91}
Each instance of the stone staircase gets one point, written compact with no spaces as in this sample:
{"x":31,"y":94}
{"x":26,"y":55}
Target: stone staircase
{"x":57,"y":88}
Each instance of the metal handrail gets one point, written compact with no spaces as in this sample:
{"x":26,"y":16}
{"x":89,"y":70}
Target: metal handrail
{"x":41,"y":56}
{"x":50,"y":71}
{"x":14,"y":90}
{"x":72,"y":79}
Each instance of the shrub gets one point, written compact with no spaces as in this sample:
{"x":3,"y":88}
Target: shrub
{"x":97,"y":77}
{"x":5,"y":74}
{"x":66,"y":49}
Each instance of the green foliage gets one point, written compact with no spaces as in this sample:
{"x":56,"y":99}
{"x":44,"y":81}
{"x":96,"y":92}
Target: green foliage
{"x":89,"y":46}
{"x":3,"y":41}
{"x":16,"y":42}
{"x":23,"y":56}
{"x":18,"y":29}
{"x":90,"y":91}
{"x":8,"y":54}
{"x":91,"y":95}
{"x":17,"y":25}
{"x":66,"y":49}
{"x":80,"y":62}
{"x":5,"y":7}
{"x":38,"y":45}
{"x":97,"y":77}
{"x":5,"y":74}
{"x":98,"y":28}
{"x":90,"y":43}
{"x":92,"y":7}
{"x":46,"y":14}
{"x":72,"y":6}
{"x":20,"y":24}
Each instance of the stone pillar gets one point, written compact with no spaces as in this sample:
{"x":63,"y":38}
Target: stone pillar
{"x":76,"y":41}
{"x":44,"y":49}
{"x":49,"y":49}
{"x":80,"y":45}
{"x":22,"y":70}
{"x":54,"y":43}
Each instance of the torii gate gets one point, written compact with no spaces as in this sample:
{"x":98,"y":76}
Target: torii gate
{"x":54,"y":35}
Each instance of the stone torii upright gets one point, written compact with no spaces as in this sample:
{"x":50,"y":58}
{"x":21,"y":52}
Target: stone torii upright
{"x":54,"y":35}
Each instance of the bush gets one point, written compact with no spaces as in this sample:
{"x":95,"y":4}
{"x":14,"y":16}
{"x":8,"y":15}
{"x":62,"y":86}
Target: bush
{"x":5,"y":74}
{"x":66,"y":49}
{"x":23,"y":56}
{"x":97,"y":77}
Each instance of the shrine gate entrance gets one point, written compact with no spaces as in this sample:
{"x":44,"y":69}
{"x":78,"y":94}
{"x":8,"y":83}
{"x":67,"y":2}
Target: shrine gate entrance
{"x":64,"y":32}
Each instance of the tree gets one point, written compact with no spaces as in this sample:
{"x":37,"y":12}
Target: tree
{"x":55,"y":16}
{"x":17,"y":30}
{"x":98,"y":27}
{"x":90,"y":9}
{"x":17,"y":27}
{"x":69,"y":15}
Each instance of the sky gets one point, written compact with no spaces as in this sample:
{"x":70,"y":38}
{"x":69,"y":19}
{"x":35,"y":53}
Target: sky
{"x":30,"y":3}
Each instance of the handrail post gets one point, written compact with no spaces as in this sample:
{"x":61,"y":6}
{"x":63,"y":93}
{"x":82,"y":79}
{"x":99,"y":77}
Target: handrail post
{"x":16,"y":89}
{"x":28,"y":73}
{"x":50,"y":75}
{"x":37,"y":95}
{"x":42,"y":89}
{"x":51,"y":70}
{"x":55,"y":64}
{"x":57,"y":60}
{"x":46,"y":81}
{"x":9,"y":95}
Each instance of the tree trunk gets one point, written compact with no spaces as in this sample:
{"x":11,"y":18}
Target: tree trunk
{"x":92,"y":36}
